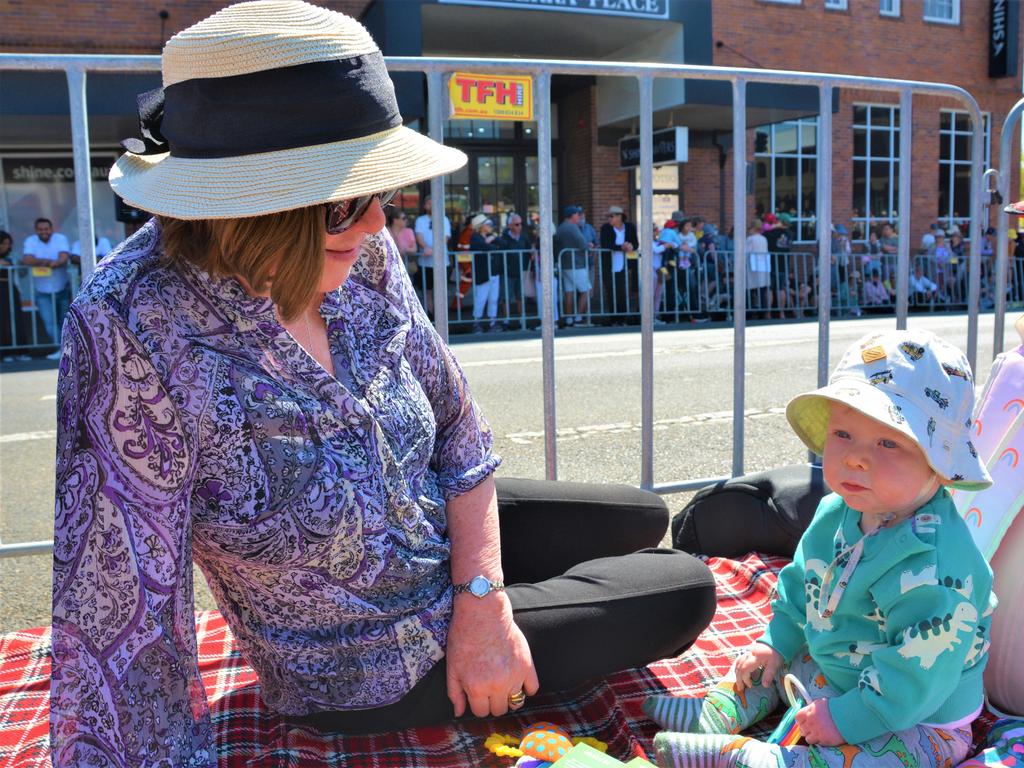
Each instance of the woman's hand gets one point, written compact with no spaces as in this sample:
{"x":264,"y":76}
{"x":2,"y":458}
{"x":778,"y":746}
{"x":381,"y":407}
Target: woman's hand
{"x":816,"y":725}
{"x":488,"y":658}
{"x":759,"y":657}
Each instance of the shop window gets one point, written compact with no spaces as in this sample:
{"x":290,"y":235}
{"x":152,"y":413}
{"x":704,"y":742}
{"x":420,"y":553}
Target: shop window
{"x":876,"y":167}
{"x":479,"y":129}
{"x":456,"y":197}
{"x":955,"y":167}
{"x":889,"y":7}
{"x":942,"y":11}
{"x":665,"y":192}
{"x":785,"y":173}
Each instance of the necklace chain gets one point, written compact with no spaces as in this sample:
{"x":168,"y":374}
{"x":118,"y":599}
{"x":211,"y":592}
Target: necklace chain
{"x":309,"y":332}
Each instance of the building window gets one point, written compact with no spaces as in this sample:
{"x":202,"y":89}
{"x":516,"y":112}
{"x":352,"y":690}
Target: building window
{"x":942,"y":11}
{"x":889,"y":7}
{"x":955,"y":167}
{"x":785,"y":170}
{"x":876,"y":166}
{"x":836,"y":5}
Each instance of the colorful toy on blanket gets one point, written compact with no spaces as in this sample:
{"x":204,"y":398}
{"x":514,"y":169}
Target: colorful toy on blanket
{"x":1006,"y":746}
{"x":541,"y":745}
{"x":787,"y":732}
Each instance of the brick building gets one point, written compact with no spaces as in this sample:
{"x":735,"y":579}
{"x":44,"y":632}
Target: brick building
{"x":936,"y":40}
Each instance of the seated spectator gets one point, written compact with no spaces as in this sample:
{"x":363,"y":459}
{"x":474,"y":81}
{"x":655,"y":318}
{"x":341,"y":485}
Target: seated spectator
{"x":876,"y":294}
{"x":922,"y":290}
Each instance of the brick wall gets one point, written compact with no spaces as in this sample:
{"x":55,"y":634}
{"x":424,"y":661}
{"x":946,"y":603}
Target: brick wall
{"x":861,"y":42}
{"x":110,"y":26}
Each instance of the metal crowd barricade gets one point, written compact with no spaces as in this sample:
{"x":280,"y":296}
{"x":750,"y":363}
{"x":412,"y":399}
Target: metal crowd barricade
{"x":24,"y":309}
{"x":438,"y":69}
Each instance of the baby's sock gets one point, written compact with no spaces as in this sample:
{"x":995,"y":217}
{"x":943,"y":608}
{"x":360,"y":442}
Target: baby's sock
{"x":703,"y":750}
{"x":721,"y":711}
{"x":689,"y":715}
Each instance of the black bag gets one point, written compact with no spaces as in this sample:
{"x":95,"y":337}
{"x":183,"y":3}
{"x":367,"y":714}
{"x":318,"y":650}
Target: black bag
{"x":767,"y":512}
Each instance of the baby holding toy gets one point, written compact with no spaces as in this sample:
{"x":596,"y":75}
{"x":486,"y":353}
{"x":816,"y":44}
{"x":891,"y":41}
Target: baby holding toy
{"x":883,"y":615}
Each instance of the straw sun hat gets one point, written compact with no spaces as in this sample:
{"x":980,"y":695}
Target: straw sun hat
{"x":270,"y":106}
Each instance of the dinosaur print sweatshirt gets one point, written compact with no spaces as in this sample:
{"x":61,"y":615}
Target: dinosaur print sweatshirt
{"x":908,"y":640}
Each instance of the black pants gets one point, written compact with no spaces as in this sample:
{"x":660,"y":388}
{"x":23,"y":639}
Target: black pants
{"x":587,"y":601}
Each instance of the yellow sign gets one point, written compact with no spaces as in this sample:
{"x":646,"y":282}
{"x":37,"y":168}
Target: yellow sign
{"x":490,"y":97}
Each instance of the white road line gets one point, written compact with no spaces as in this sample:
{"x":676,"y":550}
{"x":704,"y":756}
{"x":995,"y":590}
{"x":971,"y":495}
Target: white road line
{"x":18,"y":437}
{"x":672,"y":350}
{"x":578,"y":433}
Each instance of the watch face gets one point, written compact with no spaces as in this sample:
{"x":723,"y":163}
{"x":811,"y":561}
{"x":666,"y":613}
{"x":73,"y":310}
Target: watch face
{"x":479,"y":586}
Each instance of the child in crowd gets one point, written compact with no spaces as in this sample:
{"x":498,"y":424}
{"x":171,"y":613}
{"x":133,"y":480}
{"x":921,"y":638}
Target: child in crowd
{"x":884,"y":613}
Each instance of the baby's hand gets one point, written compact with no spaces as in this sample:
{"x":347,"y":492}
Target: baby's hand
{"x":816,"y":725}
{"x":758,"y":658}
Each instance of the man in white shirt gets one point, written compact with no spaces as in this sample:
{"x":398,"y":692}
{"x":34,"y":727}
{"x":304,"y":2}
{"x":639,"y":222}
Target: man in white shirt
{"x":103,"y":247}
{"x":47,"y":252}
{"x":424,"y":229}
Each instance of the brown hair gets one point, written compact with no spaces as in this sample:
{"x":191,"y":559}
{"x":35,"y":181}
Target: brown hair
{"x":282,"y":252}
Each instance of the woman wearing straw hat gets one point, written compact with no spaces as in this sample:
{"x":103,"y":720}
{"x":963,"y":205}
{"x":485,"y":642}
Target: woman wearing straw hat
{"x":250,"y":383}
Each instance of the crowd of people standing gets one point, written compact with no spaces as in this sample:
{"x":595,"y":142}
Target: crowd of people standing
{"x":597,"y":280}
{"x":597,"y":270}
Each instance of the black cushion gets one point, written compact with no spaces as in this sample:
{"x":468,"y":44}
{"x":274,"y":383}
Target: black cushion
{"x":765,"y":511}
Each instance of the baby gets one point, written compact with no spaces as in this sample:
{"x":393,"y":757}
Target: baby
{"x":884,"y":613}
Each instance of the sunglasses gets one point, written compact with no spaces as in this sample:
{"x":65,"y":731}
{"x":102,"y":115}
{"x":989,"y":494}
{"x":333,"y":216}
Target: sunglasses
{"x":344,"y":213}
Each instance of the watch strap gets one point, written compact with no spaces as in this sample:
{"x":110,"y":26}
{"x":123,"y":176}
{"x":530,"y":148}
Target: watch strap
{"x":492,"y":586}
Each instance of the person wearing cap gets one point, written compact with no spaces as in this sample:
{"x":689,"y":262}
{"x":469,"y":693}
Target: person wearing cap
{"x":250,"y":383}
{"x":570,"y":249}
{"x":618,"y":239}
{"x":486,"y":272}
{"x":883,"y":615}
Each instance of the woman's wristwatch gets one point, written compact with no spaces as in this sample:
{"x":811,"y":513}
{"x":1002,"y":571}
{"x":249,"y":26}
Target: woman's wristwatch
{"x":479,"y":586}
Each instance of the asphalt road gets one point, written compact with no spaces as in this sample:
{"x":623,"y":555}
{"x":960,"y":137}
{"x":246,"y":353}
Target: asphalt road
{"x":597,"y":404}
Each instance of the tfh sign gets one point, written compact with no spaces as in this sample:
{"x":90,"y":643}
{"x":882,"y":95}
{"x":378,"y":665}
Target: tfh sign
{"x":490,"y":97}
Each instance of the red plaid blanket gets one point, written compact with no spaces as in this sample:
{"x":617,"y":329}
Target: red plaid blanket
{"x":248,"y":736}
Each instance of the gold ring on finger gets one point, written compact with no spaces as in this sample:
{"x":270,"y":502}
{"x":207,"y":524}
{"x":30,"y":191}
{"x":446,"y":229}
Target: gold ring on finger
{"x":517,"y":699}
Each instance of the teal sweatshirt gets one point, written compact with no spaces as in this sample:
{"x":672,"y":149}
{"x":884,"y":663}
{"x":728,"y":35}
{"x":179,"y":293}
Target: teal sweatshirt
{"x":908,"y":641}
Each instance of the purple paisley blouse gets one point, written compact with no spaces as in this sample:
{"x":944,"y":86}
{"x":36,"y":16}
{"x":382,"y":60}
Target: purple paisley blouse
{"x":192,"y":427}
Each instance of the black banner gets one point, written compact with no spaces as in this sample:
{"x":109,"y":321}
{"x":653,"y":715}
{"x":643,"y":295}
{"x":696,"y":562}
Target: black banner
{"x":670,"y":146}
{"x":1003,"y":37}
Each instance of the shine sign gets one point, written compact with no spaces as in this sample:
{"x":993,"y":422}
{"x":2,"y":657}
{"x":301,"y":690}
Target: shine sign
{"x":490,"y":97}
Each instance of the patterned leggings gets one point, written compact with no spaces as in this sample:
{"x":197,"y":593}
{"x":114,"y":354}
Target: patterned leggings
{"x":700,"y":732}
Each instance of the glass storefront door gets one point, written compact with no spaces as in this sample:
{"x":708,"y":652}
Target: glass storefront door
{"x":497,"y":184}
